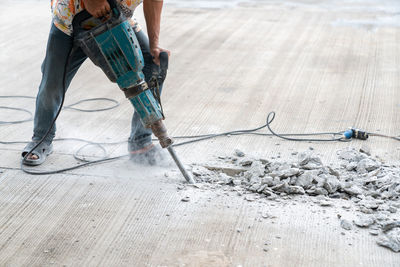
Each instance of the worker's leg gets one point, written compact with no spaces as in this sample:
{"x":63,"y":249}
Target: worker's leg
{"x":51,"y":88}
{"x":140,"y":136}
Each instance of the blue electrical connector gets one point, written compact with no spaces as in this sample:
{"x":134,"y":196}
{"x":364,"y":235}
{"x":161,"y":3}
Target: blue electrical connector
{"x":348,"y":134}
{"x":356,"y":134}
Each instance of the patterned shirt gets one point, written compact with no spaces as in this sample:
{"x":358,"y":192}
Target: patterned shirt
{"x":64,"y":11}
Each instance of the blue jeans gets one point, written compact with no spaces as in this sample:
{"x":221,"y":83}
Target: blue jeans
{"x":50,"y":92}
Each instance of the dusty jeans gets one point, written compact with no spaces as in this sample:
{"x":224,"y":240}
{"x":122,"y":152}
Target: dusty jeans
{"x":51,"y":89}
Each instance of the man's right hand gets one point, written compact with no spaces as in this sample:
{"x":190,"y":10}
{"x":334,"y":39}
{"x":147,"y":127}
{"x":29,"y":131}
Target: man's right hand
{"x":97,"y":8}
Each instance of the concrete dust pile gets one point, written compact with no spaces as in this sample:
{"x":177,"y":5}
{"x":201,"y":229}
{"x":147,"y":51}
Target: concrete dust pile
{"x":368,"y":184}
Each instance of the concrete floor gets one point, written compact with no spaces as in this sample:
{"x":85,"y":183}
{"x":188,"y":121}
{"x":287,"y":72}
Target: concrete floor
{"x":321,"y":65}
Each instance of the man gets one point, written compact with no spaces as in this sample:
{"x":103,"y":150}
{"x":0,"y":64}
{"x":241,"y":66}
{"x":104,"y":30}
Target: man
{"x":59,"y":45}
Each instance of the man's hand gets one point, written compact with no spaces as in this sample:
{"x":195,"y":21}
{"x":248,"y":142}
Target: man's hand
{"x":97,"y":8}
{"x":155,"y":52}
{"x":152,"y":13}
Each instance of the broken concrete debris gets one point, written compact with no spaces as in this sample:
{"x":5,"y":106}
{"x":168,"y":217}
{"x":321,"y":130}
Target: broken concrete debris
{"x":185,"y":199}
{"x":368,"y":184}
{"x":239,"y":153}
{"x":364,"y":221}
{"x":346,"y":225}
{"x":365,"y":149}
{"x":325,"y":203}
{"x":391,"y":236}
{"x":374,"y":232}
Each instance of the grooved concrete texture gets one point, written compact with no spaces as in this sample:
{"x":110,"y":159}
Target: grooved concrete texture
{"x":321,"y":65}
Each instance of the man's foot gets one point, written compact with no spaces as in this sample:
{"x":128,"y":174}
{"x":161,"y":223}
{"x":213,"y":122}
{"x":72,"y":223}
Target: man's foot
{"x":149,"y":154}
{"x":38,"y":155}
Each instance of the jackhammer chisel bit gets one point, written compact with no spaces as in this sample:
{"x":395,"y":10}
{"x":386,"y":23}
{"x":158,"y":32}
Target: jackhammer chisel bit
{"x":160,"y":132}
{"x":185,"y":174}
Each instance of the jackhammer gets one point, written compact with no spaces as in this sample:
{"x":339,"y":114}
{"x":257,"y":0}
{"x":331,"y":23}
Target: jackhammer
{"x":111,"y":44}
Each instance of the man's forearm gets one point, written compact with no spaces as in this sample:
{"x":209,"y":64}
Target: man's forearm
{"x":152,"y":13}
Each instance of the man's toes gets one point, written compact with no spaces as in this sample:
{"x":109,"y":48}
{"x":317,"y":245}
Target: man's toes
{"x":33,"y":157}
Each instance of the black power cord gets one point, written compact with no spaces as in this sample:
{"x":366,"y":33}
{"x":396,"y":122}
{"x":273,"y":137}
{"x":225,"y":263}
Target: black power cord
{"x":17,"y":121}
{"x":114,"y":103}
{"x":335,"y":136}
{"x":196,"y":138}
{"x":269,"y":120}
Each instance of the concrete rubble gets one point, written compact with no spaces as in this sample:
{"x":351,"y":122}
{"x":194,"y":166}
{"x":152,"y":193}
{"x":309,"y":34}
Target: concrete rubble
{"x":367,"y":183}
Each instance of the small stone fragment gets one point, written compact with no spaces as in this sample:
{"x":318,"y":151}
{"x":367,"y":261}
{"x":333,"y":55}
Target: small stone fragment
{"x":366,"y":210}
{"x":289,"y":172}
{"x":374,"y":232}
{"x":364,"y":221}
{"x":239,"y":153}
{"x":367,"y":165}
{"x":265,"y":215}
{"x":309,"y":161}
{"x":224,"y":179}
{"x":185,"y":199}
{"x":331,"y":184}
{"x":180,"y":187}
{"x":389,"y":226}
{"x":392,"y":209}
{"x":346,"y":206}
{"x":334,"y":172}
{"x":320,"y":191}
{"x":365,"y":149}
{"x":325,"y":203}
{"x":305,"y":180}
{"x":295,"y":190}
{"x":353,"y":190}
{"x":390,"y":239}
{"x":257,"y":169}
{"x":254,"y":187}
{"x":200,"y":171}
{"x":282,"y":187}
{"x":237,"y":182}
{"x":351,"y":166}
{"x":268,"y":180}
{"x":350,"y":154}
{"x":346,"y":225}
{"x":231,"y":171}
{"x":250,"y":198}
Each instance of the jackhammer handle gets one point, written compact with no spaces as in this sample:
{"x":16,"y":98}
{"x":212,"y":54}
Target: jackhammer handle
{"x":160,"y":72}
{"x":85,"y":15}
{"x":112,"y":4}
{"x":163,"y":60}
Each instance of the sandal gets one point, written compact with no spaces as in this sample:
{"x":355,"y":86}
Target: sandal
{"x":42,"y":151}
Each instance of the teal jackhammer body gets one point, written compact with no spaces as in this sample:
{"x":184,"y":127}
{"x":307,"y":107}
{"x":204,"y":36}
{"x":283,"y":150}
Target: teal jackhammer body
{"x":112,"y":45}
